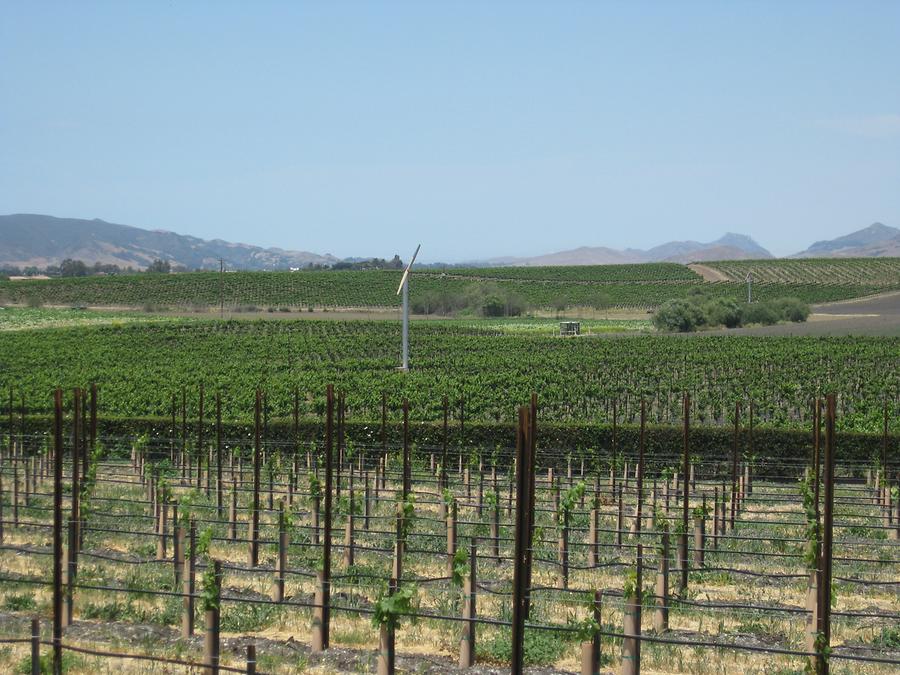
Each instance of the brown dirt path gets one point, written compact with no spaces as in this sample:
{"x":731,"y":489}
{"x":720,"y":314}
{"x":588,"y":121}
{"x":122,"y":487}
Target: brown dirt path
{"x":709,"y":273}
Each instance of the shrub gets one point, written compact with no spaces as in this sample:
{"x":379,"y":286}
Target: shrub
{"x":760,"y":312}
{"x":792,"y":309}
{"x":678,"y":315}
{"x":723,"y":312}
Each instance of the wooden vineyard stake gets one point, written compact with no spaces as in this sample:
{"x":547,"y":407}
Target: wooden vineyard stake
{"x":322,"y":600}
{"x":661,"y":613}
{"x":683,"y":537}
{"x":211,"y":621}
{"x":590,"y":651}
{"x":700,"y":536}
{"x":163,"y":525}
{"x":620,"y":519}
{"x":563,"y":545}
{"x":349,"y":525}
{"x":406,"y":458}
{"x":523,"y":532}
{"x":35,"y":646}
{"x":219,"y":486}
{"x":199,"y":452}
{"x":467,"y":642}
{"x":399,"y":545}
{"x":188,"y":580}
{"x":177,"y":546}
{"x":254,"y":514}
{"x":386,"y":640}
{"x":451,"y":538}
{"x":631,"y":644}
{"x":734,"y":463}
{"x":233,"y":513}
{"x":284,"y":543}
{"x":57,"y":530}
{"x":251,"y":660}
{"x":71,"y":573}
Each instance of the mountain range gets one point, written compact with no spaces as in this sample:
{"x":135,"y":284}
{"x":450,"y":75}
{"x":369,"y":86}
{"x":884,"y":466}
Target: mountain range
{"x":38,"y":240}
{"x":876,"y":241}
{"x":729,"y":247}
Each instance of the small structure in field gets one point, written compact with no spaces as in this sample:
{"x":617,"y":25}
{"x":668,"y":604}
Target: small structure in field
{"x":570,"y":328}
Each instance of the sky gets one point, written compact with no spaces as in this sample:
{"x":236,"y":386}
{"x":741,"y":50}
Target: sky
{"x":477,"y":129}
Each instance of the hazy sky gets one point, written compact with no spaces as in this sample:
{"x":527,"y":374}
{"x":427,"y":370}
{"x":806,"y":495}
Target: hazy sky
{"x":477,"y":128}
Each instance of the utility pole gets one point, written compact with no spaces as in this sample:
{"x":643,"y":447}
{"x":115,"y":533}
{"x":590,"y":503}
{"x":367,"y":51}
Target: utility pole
{"x":749,"y":287}
{"x":221,"y":288}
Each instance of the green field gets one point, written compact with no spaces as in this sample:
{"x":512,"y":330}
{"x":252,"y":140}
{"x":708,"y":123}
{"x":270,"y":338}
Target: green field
{"x":140,"y":366}
{"x":637,"y":286}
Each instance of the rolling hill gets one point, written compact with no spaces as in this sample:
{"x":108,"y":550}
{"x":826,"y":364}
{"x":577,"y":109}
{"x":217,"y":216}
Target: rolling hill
{"x":38,"y":240}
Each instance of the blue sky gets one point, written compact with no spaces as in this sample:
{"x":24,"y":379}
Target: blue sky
{"x":479,"y":129}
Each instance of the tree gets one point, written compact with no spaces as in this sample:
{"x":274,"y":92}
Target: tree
{"x":72,"y":268}
{"x":159,"y":267}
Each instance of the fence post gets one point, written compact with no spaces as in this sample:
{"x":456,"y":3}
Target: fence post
{"x":386,"y":640}
{"x":187,"y":585}
{"x":590,"y":651}
{"x":661,"y":614}
{"x":593,"y":527}
{"x":467,"y":643}
{"x":281,"y":559}
{"x":211,"y":635}
{"x":631,"y":645}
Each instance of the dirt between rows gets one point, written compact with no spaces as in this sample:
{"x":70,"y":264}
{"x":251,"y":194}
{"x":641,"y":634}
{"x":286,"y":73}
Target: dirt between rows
{"x":124,"y":636}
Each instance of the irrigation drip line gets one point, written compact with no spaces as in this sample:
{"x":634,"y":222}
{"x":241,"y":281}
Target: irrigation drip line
{"x":141,"y":657}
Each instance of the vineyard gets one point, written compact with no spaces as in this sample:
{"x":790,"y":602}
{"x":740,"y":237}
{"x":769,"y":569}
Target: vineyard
{"x":139,"y":367}
{"x":196,"y":550}
{"x":644,"y":273}
{"x":643,"y":286}
{"x":880,"y":272}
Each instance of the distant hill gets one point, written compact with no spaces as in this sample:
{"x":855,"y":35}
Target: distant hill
{"x":875,"y":241}
{"x":38,"y":240}
{"x":729,"y":247}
